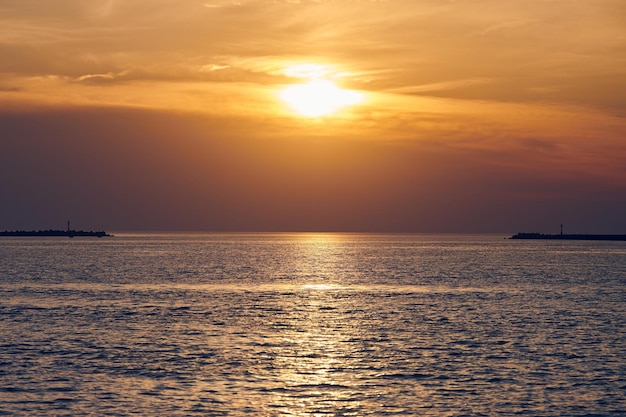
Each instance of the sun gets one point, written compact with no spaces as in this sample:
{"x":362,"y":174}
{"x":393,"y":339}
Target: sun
{"x":318,"y":97}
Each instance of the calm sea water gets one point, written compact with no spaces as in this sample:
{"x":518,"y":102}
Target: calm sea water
{"x":312,"y":325}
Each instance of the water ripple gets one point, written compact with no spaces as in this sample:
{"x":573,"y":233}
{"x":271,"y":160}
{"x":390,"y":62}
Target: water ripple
{"x":280,"y":325}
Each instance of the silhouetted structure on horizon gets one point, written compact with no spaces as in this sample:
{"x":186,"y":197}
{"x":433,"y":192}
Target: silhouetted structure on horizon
{"x":54,"y":233}
{"x":567,"y":237}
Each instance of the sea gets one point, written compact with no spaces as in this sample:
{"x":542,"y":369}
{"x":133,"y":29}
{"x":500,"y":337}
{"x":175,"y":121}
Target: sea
{"x":312,"y":324}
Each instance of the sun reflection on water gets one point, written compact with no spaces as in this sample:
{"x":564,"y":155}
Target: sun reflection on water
{"x":317,"y":258}
{"x":321,"y":287}
{"x":316,"y":363}
{"x":317,"y":371}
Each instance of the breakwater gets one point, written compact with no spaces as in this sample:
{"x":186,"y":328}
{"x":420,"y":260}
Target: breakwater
{"x":567,"y":236}
{"x":54,"y":233}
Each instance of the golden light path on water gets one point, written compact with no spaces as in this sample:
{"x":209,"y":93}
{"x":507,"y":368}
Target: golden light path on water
{"x":321,"y":357}
{"x":322,"y":370}
{"x":321,"y":364}
{"x":315,"y":360}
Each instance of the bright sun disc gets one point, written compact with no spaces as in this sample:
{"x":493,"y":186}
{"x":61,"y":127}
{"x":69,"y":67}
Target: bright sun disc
{"x":318,"y":98}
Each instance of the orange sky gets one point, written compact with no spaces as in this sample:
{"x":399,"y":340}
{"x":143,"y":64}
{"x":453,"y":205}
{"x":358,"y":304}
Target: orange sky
{"x":474,"y":116}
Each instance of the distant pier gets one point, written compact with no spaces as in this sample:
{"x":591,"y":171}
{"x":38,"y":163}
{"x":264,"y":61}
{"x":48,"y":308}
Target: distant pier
{"x":54,"y":233}
{"x":541,"y":236}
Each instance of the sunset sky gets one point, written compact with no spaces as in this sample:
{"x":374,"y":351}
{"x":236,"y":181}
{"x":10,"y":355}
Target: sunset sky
{"x":493,"y":116}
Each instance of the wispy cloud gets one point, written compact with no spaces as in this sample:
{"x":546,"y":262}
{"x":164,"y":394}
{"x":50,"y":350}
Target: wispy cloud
{"x":98,"y":78}
{"x":440,"y":86}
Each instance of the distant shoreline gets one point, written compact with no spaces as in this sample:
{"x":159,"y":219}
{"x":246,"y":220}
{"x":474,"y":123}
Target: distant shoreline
{"x":541,"y":236}
{"x":54,"y":233}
